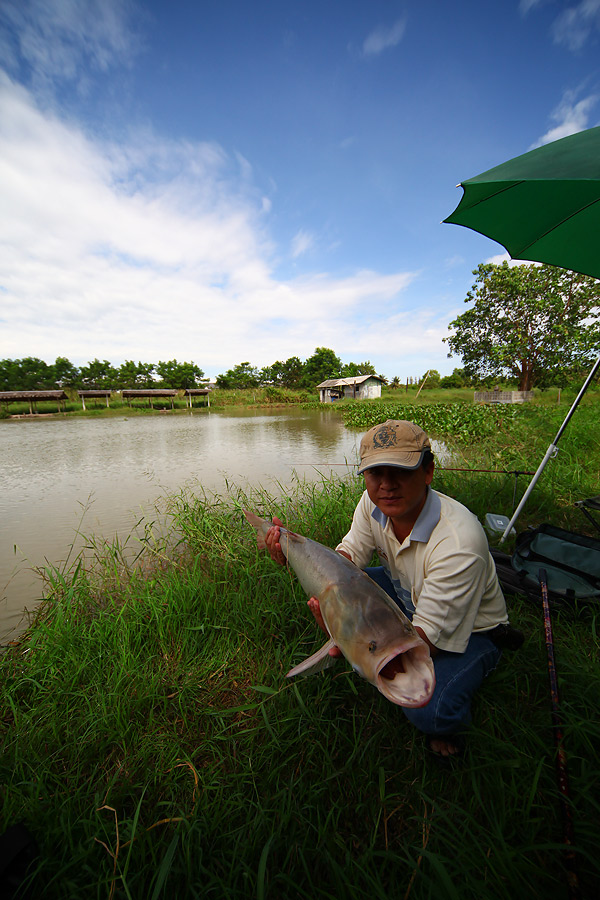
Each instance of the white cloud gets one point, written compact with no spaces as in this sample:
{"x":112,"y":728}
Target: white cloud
{"x":574,"y":26}
{"x":302,"y":242}
{"x":452,"y":261}
{"x":500,"y":258}
{"x":526,"y":5}
{"x":154,"y":249}
{"x":382,"y":37}
{"x":58,"y":38}
{"x":571,"y":116}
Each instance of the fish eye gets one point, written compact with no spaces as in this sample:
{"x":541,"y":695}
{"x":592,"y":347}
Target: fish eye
{"x":372,"y":646}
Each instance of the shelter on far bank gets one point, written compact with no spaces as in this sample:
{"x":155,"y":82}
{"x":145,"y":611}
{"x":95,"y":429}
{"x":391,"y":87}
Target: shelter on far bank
{"x":94,"y":395}
{"x":150,"y":394}
{"x":359,"y":387}
{"x":33,"y":397}
{"x":189,"y":393}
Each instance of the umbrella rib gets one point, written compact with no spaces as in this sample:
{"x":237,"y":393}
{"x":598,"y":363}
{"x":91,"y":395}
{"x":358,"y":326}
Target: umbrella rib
{"x":558,"y":224}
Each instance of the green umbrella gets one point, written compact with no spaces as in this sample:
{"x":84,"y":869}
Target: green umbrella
{"x":543,"y":205}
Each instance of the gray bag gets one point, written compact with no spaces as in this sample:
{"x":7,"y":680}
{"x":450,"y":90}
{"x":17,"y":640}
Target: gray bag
{"x":571,"y":561}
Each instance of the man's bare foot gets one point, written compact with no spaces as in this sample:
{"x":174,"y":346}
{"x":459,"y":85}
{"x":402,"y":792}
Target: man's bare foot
{"x":445,"y":746}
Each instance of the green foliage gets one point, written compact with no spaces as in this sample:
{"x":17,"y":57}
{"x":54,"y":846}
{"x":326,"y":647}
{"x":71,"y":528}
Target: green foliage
{"x":132,"y":376}
{"x":458,"y":379}
{"x":65,"y":373}
{"x":432,"y":380}
{"x":98,"y":375}
{"x":293,"y":373}
{"x":178,"y":375}
{"x":323,"y":364}
{"x":150,"y":737}
{"x":350,"y":370}
{"x":533,"y":323}
{"x":462,"y":421}
{"x":35,"y":374}
{"x":242,"y":376}
{"x":28,"y":374}
{"x":286,"y":374}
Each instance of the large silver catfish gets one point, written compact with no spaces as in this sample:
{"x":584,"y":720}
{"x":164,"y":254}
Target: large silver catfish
{"x":376,"y":638}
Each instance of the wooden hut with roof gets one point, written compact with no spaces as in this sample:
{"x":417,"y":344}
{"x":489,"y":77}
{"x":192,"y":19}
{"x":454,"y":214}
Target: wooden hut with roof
{"x":189,"y":393}
{"x":94,"y":395}
{"x":359,"y":387}
{"x":150,"y":394}
{"x":33,"y":398}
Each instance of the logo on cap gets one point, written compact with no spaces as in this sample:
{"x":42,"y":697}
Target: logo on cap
{"x":384,"y":437}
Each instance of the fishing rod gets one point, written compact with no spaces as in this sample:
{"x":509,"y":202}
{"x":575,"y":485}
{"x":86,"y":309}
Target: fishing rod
{"x":443,"y":468}
{"x":561,"y":758}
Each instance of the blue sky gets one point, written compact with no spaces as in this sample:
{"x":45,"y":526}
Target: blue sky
{"x":225,"y":181}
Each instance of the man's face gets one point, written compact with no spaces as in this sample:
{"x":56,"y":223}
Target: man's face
{"x":399,"y":493}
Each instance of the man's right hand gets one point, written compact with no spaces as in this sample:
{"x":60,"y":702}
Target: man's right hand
{"x":272,"y":538}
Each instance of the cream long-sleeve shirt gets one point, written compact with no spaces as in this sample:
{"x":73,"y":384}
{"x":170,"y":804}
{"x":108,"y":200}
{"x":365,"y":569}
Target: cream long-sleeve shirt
{"x":443,"y":571}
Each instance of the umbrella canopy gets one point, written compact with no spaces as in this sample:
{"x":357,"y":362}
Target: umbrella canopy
{"x":543,"y":205}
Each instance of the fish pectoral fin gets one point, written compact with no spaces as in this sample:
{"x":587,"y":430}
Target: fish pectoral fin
{"x":315,"y":663}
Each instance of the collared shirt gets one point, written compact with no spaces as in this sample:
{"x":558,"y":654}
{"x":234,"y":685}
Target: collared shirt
{"x":443,"y":570}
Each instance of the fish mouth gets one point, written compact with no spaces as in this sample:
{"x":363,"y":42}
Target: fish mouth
{"x":406,"y":675}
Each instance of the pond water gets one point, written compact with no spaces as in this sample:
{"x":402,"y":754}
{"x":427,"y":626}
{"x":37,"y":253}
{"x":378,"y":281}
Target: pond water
{"x":61,"y":477}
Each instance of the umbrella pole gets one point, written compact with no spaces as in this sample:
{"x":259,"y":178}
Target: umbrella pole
{"x":551,"y":451}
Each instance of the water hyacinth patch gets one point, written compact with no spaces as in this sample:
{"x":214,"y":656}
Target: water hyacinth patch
{"x":459,"y":420}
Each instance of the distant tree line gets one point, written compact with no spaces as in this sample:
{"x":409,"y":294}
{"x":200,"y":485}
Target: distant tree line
{"x":32,"y":374}
{"x":293,"y":373}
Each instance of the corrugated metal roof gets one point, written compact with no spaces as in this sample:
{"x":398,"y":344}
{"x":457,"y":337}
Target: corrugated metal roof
{"x":341,"y":382}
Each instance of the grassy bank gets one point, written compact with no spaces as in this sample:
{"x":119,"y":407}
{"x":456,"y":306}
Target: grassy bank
{"x":219,"y":399}
{"x":508,"y":439}
{"x":152,"y":745}
{"x":269,"y":396}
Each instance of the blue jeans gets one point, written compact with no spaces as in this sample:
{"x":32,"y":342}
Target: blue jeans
{"x":457,"y":676}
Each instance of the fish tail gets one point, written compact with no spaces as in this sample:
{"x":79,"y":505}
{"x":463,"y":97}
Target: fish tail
{"x":261,"y":527}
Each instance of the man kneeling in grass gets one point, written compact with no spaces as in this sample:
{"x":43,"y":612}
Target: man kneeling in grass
{"x":435,"y":564}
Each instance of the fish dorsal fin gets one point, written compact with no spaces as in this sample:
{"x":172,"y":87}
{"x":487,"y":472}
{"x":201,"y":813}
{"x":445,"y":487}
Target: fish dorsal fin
{"x":315,"y":663}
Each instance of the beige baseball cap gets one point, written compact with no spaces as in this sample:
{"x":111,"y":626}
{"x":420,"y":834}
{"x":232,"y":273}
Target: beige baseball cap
{"x":393,"y":443}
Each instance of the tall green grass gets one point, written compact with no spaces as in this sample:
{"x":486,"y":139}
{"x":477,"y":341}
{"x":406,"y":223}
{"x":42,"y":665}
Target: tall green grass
{"x":153,"y":746}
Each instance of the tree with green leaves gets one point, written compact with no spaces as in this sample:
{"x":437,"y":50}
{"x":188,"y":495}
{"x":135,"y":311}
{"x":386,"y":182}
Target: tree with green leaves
{"x":135,"y":376}
{"x":323,"y":364}
{"x":243,"y":376}
{"x":458,"y":379}
{"x":27,"y":374}
{"x":98,"y":375}
{"x":65,"y":373}
{"x":431,"y":379}
{"x":286,"y":374}
{"x":351,"y":369}
{"x":532,"y":323}
{"x":178,"y":375}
